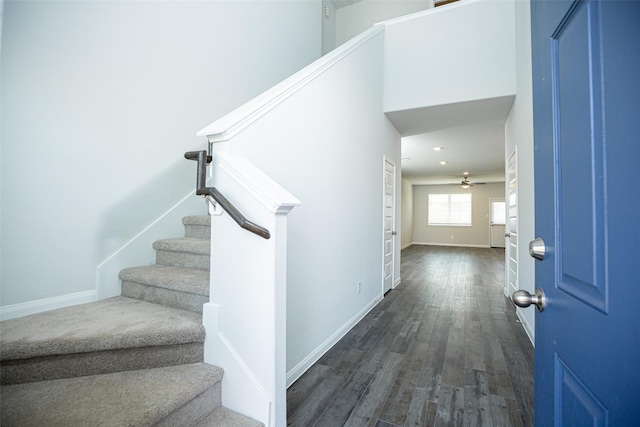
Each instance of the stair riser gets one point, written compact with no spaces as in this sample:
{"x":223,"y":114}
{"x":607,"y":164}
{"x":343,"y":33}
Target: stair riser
{"x":183,"y":259}
{"x":197,"y":408}
{"x":83,"y":364}
{"x":166,"y":297}
{"x":197,"y":231}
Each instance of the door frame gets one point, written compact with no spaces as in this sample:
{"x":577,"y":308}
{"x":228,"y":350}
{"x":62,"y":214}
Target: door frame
{"x":394,"y":225}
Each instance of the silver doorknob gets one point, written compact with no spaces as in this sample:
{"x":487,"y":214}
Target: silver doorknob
{"x":507,"y":234}
{"x":393,"y":233}
{"x":537,"y":249}
{"x":524,"y":299}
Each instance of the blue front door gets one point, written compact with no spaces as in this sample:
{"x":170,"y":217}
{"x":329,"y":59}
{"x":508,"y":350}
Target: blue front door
{"x":586,"y":85}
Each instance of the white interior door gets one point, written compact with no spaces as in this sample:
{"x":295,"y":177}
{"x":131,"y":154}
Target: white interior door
{"x":511,"y":232}
{"x":389,"y":224}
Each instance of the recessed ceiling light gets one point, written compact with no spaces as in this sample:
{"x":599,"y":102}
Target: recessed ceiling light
{"x":438,"y":148}
{"x":443,"y":163}
{"x":465,"y":173}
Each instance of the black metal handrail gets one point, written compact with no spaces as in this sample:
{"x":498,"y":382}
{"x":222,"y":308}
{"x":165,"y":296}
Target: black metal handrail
{"x":202,"y":190}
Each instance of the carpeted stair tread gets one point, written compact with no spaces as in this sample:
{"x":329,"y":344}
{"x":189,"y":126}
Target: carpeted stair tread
{"x":184,"y":244}
{"x":188,"y":280}
{"x":118,"y":322}
{"x":175,"y":395}
{"x":222,"y":416}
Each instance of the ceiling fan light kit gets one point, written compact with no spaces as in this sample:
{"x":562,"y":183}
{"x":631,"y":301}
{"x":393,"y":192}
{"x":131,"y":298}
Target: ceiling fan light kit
{"x":465,"y":183}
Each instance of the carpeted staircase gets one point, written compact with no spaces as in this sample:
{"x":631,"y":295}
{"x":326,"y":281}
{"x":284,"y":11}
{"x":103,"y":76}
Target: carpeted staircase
{"x":132,"y":360}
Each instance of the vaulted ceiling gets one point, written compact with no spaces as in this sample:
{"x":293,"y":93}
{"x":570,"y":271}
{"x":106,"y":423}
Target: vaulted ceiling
{"x":470,"y":133}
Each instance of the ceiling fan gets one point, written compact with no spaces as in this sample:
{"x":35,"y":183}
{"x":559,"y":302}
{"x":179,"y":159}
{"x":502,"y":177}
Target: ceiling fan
{"x":465,"y":183}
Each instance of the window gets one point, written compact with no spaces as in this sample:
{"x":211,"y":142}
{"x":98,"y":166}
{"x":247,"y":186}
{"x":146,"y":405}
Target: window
{"x":450,"y":209}
{"x":498,"y":212}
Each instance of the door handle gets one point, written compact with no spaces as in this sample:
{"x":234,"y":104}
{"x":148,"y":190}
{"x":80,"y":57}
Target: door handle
{"x":537,"y":249}
{"x":524,"y":299}
{"x":507,"y":234}
{"x":393,"y":233}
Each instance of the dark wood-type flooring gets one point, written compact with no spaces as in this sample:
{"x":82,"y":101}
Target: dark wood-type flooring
{"x":444,"y":348}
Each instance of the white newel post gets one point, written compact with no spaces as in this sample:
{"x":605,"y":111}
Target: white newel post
{"x":245,"y":319}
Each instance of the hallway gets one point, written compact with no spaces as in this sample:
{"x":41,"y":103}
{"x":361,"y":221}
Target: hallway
{"x":444,"y":348}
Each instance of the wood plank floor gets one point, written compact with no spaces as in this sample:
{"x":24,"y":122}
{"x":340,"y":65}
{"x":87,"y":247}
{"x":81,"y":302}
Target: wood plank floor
{"x":444,"y":348}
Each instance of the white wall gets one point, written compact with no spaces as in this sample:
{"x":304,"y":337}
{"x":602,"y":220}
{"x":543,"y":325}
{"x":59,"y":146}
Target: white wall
{"x":406,"y":234}
{"x":471,"y":55}
{"x":101,"y":99}
{"x":334,"y":137}
{"x":478,"y":235}
{"x":356,"y":18}
{"x":519,"y":133}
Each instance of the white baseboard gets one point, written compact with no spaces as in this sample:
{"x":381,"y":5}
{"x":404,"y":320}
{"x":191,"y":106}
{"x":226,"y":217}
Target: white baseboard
{"x":31,"y":307}
{"x":315,"y":355}
{"x":396,"y":283}
{"x":406,"y":246}
{"x":462,"y":245}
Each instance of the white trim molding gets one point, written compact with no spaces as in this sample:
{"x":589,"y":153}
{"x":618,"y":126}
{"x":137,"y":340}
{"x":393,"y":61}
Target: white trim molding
{"x":397,"y":282}
{"x":233,"y":123}
{"x":31,"y":307}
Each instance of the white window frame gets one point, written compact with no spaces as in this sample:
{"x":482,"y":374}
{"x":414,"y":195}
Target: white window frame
{"x":433,"y":221}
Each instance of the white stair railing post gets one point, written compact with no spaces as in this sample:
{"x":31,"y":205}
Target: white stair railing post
{"x":246,"y":316}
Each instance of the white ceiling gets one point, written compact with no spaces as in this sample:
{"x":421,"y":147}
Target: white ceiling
{"x":471,"y":134}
